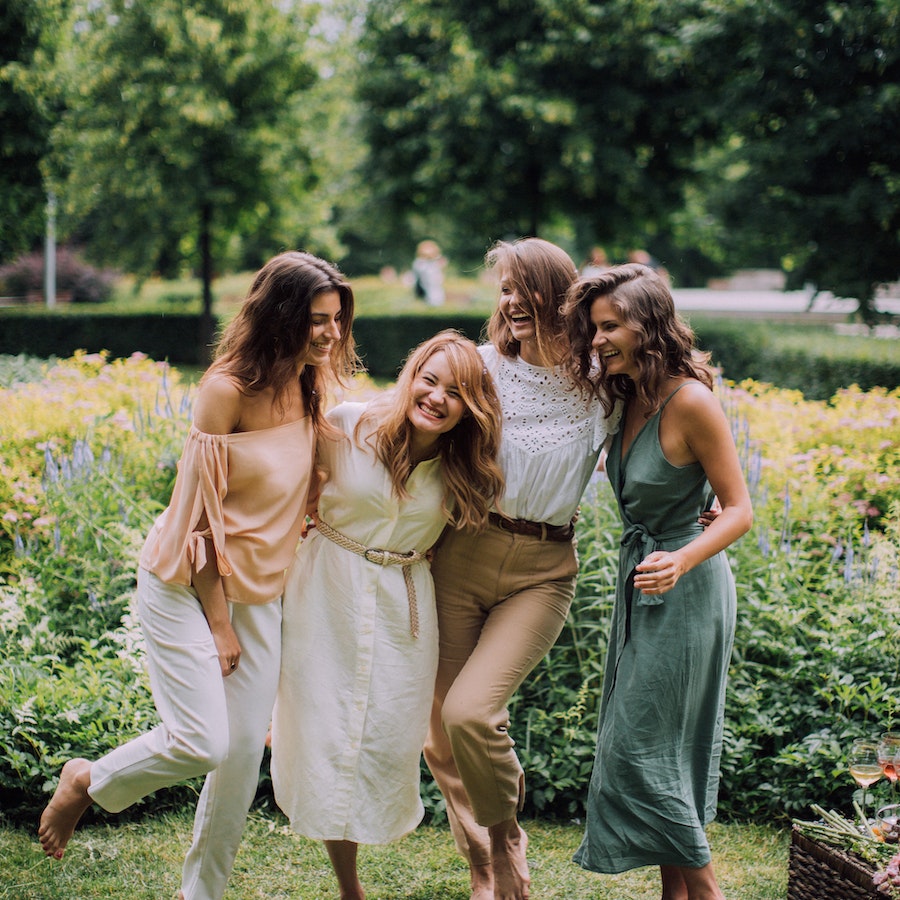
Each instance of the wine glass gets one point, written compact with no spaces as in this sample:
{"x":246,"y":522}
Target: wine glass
{"x":864,"y":767}
{"x":889,"y":758}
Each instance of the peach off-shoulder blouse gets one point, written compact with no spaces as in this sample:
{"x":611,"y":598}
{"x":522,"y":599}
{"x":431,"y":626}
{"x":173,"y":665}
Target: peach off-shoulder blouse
{"x":245,"y":492}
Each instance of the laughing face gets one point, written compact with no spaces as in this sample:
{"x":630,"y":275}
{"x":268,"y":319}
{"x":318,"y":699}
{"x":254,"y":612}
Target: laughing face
{"x":516,"y":312}
{"x":614,"y":342}
{"x":325,"y":329}
{"x":435,"y":403}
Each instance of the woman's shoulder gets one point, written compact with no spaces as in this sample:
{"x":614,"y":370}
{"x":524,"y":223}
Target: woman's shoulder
{"x":346,"y":414}
{"x":693,"y":403}
{"x":488,"y":353}
{"x":217,"y":408}
{"x":687,"y":392}
{"x":220,"y":384}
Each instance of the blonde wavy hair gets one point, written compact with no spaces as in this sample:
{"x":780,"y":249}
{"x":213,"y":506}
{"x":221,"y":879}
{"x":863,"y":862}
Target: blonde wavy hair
{"x":540,"y":273}
{"x":468,"y":452}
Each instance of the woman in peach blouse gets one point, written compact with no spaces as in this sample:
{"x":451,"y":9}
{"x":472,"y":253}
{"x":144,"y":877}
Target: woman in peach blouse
{"x":212,"y":569}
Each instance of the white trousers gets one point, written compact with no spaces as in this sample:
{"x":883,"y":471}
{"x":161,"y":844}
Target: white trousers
{"x":210,"y":724}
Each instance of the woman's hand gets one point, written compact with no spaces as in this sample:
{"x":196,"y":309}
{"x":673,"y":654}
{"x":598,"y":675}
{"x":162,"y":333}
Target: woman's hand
{"x":228,"y":648}
{"x":708,"y":516}
{"x":659,"y":572}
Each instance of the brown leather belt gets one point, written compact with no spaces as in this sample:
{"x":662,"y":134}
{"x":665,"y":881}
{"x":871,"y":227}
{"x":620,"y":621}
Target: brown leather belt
{"x":541,"y":530}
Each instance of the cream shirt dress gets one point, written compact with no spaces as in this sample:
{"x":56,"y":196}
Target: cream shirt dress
{"x":356,"y":686}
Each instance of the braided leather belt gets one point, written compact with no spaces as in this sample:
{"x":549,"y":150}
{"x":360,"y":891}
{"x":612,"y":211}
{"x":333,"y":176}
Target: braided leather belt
{"x":380,"y":557}
{"x":541,"y":530}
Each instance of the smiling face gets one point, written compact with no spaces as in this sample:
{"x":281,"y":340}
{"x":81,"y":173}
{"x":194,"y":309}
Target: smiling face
{"x":614,"y":342}
{"x":435,"y":403}
{"x":516,"y":312}
{"x":325,"y":329}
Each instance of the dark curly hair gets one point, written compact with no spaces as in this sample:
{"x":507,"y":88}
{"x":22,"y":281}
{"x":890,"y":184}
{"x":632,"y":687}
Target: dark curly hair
{"x":645,"y":304}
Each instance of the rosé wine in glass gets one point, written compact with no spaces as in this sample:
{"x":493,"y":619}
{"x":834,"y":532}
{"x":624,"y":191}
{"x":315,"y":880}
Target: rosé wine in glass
{"x":889,"y":757}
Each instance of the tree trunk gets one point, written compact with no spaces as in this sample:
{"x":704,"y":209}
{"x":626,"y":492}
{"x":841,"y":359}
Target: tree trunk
{"x":533,"y":180}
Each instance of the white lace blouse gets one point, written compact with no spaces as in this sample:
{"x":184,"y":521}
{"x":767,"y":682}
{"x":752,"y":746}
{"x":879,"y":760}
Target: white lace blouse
{"x":552,"y":438}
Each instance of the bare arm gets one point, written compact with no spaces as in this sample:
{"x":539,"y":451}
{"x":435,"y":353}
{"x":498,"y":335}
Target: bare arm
{"x":702,"y":427}
{"x":217,"y":411}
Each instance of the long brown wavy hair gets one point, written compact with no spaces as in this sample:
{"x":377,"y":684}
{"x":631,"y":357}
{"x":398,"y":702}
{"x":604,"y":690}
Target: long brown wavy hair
{"x":540,"y":273}
{"x":468,"y":452}
{"x":272,"y":330}
{"x":645,"y":304}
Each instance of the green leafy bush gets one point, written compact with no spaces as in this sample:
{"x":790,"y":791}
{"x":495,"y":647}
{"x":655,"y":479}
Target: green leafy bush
{"x":22,"y":368}
{"x":173,"y":336}
{"x":88,"y":459}
{"x":813,"y":360}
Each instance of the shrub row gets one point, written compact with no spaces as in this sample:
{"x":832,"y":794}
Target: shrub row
{"x":176,"y":337}
{"x":814,"y":361}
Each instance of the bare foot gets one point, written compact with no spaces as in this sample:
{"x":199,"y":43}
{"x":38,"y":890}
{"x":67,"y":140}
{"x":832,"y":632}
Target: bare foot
{"x":69,"y":802}
{"x":482,"y":882}
{"x":508,"y":847}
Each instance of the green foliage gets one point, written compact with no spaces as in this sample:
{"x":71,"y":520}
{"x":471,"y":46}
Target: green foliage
{"x":816,"y":664}
{"x":720,"y":134}
{"x":88,"y":565}
{"x":26,"y":28}
{"x":389,"y":323}
{"x":72,"y":679}
{"x":22,"y":368}
{"x":60,"y":695}
{"x":507,"y":118}
{"x":171,"y":335}
{"x":385,"y":341}
{"x":806,"y":169}
{"x":812,"y":360}
{"x":816,"y":660}
{"x":176,"y":125}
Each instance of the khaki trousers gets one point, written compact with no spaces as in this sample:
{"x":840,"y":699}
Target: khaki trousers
{"x":502,"y":600}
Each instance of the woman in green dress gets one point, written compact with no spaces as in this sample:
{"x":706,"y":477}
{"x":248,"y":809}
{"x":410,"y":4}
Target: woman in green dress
{"x":655,"y":778}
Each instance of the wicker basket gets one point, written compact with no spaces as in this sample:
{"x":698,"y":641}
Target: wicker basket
{"x":819,"y":872}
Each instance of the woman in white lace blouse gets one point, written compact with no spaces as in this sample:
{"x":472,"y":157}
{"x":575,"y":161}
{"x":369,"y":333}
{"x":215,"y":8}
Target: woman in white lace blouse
{"x":503,"y":594}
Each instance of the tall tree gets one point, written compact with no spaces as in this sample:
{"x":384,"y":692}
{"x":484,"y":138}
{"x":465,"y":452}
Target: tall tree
{"x":513,"y":114}
{"x":179,"y":124}
{"x":28,"y":31}
{"x":807,"y":93}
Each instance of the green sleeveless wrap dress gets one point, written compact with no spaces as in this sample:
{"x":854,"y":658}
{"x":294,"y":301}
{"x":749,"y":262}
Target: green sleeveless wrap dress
{"x":656,"y":771}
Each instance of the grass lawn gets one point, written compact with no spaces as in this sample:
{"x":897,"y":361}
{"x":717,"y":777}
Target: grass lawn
{"x":374,"y":296}
{"x":142,"y":861}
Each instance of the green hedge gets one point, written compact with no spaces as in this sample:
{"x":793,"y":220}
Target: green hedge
{"x":809,"y":359}
{"x":384,"y":342}
{"x":806,"y":358}
{"x":176,"y":337}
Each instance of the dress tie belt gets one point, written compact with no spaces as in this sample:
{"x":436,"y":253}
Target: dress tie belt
{"x":380,"y":557}
{"x":542,"y":530}
{"x":637,"y":543}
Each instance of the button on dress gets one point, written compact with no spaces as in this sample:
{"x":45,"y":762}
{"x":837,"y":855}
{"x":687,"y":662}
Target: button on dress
{"x":356,"y":687}
{"x":656,"y":772}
